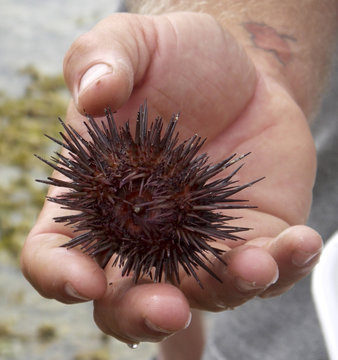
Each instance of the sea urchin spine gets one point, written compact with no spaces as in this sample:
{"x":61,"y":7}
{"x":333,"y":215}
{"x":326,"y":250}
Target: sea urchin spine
{"x":148,"y":200}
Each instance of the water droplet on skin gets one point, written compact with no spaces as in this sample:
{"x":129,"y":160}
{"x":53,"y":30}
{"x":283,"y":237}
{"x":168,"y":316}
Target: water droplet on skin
{"x":136,"y":209}
{"x":133,"y":346}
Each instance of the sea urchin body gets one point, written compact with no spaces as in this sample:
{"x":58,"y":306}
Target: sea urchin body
{"x":147,"y":199}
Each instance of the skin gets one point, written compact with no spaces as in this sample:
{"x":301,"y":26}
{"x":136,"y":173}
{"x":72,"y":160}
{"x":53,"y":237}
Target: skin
{"x":187,"y":62}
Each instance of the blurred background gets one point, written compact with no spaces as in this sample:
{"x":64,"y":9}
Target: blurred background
{"x":34,"y":36}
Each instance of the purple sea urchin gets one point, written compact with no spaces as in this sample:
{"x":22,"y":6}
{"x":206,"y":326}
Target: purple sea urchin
{"x":146,"y":199}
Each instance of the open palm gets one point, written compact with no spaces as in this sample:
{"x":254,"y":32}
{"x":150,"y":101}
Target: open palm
{"x":186,"y":62}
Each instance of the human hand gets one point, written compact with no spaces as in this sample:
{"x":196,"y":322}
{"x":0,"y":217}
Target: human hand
{"x":186,"y":62}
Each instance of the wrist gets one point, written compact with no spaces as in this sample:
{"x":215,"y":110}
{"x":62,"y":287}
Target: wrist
{"x":290,"y":42}
{"x":272,"y":54}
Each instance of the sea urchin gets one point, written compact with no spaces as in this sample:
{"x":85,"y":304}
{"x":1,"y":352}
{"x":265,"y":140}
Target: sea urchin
{"x":146,"y":199}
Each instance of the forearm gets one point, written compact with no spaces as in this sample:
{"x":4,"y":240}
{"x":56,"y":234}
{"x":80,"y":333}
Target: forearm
{"x":290,"y":41}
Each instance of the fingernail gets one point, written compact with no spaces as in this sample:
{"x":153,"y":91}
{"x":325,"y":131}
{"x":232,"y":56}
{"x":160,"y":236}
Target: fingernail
{"x":92,"y":75}
{"x":301,"y":258}
{"x":188,"y":321}
{"x":73,"y":293}
{"x":154,"y":327}
{"x":245,"y":285}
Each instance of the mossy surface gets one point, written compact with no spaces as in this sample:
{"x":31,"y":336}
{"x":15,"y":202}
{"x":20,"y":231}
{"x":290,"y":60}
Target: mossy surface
{"x":23,"y":122}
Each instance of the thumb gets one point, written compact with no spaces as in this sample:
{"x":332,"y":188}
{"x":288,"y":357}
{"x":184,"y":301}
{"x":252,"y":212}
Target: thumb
{"x":102,"y":65}
{"x":180,"y":62}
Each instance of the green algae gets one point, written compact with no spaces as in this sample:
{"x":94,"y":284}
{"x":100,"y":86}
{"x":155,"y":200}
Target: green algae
{"x":23,"y":122}
{"x":99,"y":354}
{"x":46,"y":333}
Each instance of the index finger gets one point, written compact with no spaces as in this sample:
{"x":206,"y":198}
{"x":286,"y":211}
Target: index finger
{"x":67,"y":275}
{"x":55,"y":272}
